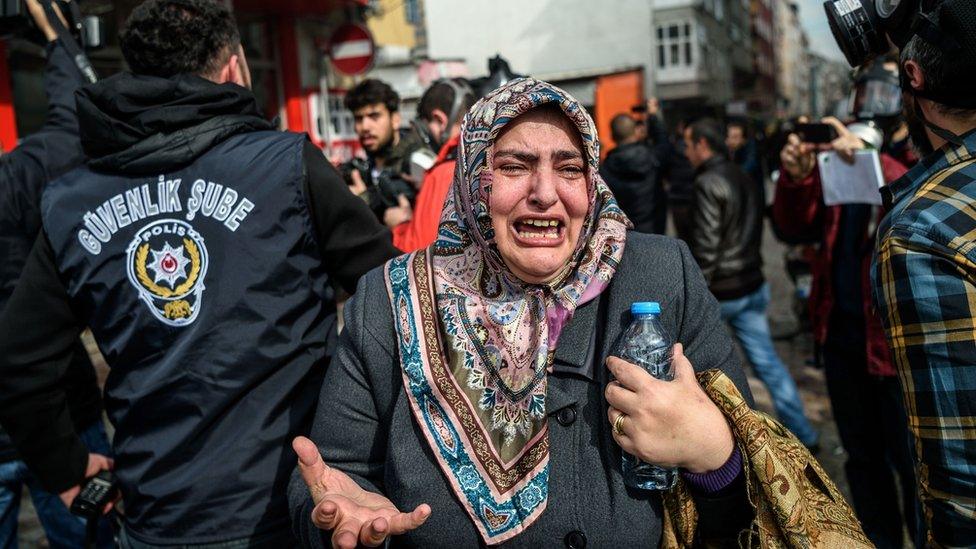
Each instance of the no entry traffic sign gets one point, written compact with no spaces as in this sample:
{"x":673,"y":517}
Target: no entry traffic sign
{"x":351,"y":49}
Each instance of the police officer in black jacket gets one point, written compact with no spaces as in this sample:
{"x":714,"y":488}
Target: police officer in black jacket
{"x":47,"y":153}
{"x":198,"y":244}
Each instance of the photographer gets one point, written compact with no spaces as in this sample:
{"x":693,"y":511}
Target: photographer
{"x":861,"y":378}
{"x":924,"y":277}
{"x":386,"y":179}
{"x":23,"y":175}
{"x":441,"y":110}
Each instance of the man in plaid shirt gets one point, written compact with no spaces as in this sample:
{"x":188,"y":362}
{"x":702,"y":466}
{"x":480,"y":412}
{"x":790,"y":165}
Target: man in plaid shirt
{"x":925,"y":273}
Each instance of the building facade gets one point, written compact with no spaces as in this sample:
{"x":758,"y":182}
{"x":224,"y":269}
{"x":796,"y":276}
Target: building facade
{"x":761,"y":99}
{"x":793,"y":71}
{"x":830,"y":86}
{"x":599,"y":52}
{"x":703,"y":61}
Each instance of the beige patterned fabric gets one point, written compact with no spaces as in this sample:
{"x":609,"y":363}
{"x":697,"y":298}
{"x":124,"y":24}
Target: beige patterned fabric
{"x":795,"y":502}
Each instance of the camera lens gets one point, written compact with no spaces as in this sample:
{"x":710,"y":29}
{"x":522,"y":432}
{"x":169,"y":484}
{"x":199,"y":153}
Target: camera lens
{"x":857,"y":29}
{"x":886,"y":8}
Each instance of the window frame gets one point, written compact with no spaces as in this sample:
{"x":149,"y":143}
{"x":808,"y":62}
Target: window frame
{"x":678,"y":51}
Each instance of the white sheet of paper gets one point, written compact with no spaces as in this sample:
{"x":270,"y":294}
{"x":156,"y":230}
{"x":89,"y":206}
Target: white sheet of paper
{"x":857,"y":183}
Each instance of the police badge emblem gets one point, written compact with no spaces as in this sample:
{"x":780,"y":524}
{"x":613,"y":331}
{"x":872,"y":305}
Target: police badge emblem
{"x":167,"y":262}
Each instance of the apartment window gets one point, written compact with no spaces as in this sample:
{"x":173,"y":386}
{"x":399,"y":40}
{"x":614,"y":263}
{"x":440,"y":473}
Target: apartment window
{"x":674,"y":46}
{"x":412,"y":7}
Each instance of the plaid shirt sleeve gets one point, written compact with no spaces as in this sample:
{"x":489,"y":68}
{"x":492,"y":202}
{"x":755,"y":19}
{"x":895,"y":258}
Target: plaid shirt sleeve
{"x":926,"y":293}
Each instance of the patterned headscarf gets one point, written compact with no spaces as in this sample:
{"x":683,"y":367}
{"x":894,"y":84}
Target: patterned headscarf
{"x":476,"y":342}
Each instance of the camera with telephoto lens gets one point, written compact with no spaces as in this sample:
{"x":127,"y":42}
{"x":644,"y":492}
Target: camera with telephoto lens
{"x":358,"y":165}
{"x":383,"y":189}
{"x":390,"y":185}
{"x":863,"y":28}
{"x":15,"y":20}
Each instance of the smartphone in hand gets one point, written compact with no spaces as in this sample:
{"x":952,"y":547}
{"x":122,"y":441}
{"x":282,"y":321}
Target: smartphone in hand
{"x":816,"y":133}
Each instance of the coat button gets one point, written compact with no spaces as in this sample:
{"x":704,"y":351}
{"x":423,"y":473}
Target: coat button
{"x":575,"y":540}
{"x":566,"y":416}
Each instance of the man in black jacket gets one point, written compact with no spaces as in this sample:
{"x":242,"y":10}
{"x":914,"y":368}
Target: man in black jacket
{"x":633,"y":170}
{"x":726,"y":237}
{"x":384,"y":180}
{"x":40,"y":157}
{"x":197,"y":243}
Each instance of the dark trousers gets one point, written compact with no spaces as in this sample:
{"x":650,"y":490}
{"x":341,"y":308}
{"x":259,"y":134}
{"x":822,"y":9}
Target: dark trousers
{"x":681,"y":217}
{"x":873,"y":428}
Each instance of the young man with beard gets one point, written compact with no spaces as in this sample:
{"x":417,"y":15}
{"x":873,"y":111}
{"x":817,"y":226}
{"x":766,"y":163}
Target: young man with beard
{"x":924,"y":276}
{"x":386,"y":180}
{"x":198,"y":244}
{"x":861,"y":378}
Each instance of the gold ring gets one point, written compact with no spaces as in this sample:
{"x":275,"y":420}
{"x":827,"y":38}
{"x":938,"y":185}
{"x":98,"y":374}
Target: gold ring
{"x":618,"y":424}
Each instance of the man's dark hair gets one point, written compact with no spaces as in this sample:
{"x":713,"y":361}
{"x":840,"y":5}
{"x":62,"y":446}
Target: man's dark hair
{"x":712,"y":132}
{"x":940,"y":75}
{"x":622,"y":128}
{"x":441,"y":96}
{"x":169,"y":37}
{"x":741,"y":124}
{"x":372,"y":92}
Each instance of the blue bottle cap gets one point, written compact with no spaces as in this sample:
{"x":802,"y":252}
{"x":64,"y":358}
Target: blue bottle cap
{"x":646,"y":308}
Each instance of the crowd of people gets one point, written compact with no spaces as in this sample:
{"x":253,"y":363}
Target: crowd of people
{"x":469,"y":396}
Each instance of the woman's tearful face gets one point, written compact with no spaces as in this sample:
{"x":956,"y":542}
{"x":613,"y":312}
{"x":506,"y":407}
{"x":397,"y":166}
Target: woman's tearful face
{"x":539,"y":194}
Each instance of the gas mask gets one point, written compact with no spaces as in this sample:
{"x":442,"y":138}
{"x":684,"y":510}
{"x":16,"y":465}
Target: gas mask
{"x":877,"y":97}
{"x":863,"y":29}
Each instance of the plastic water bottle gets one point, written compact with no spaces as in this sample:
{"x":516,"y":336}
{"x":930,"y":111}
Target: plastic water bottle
{"x":646,"y":344}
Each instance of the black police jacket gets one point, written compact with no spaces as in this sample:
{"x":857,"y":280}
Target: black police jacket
{"x":40,"y":157}
{"x":198,"y":245}
{"x":727,"y":225}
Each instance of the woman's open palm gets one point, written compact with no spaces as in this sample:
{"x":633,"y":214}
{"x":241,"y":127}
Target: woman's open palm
{"x":353,"y":514}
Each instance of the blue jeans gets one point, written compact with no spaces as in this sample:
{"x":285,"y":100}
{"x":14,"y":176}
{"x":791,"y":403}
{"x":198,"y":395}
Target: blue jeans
{"x":747,"y":318}
{"x":63,"y":529}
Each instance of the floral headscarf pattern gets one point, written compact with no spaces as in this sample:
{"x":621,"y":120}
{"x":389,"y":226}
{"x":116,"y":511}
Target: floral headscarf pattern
{"x":476,"y":343}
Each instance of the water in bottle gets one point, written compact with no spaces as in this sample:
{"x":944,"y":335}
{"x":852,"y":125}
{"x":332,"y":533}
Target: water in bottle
{"x":646,"y":344}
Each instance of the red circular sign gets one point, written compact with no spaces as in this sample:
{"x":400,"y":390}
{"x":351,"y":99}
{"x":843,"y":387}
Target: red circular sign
{"x":351,"y":49}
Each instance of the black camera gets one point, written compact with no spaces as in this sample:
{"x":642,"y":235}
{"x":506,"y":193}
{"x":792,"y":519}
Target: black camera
{"x":390,"y":186}
{"x":15,"y":20}
{"x":383,"y":189}
{"x":358,"y":165}
{"x":863,"y":28}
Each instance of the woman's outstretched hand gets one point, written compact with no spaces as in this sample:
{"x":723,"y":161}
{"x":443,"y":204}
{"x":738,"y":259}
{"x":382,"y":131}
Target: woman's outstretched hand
{"x":672,"y":424}
{"x":354,"y":515}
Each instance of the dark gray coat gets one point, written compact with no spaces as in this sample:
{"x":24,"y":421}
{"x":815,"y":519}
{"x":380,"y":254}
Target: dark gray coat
{"x":364,"y":425}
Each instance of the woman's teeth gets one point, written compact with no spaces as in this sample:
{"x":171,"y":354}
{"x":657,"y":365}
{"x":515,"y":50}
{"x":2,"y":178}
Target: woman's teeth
{"x":539,"y":228}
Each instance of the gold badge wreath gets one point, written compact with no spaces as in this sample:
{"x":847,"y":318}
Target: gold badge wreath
{"x":143,"y":254}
